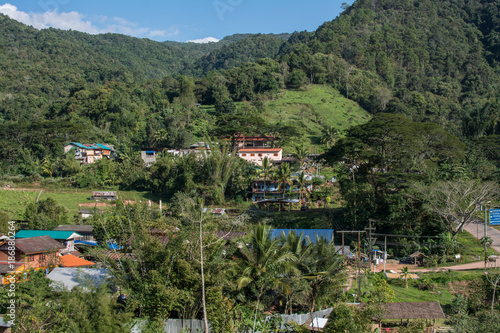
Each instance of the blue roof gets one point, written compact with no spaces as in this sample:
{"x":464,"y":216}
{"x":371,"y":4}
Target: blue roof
{"x":79,"y":145}
{"x":55,"y":234}
{"x":311,"y":233}
{"x":102,"y":146}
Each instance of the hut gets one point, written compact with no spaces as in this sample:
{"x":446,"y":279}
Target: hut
{"x":418,"y":257}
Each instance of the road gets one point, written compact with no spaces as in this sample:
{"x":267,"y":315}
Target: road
{"x":476,"y":228}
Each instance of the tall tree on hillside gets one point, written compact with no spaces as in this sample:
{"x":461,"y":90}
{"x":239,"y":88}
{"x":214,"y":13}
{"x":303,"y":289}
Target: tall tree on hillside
{"x":283,"y":175}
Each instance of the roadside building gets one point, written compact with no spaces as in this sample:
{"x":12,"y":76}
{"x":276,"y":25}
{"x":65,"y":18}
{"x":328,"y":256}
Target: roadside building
{"x":84,"y":230}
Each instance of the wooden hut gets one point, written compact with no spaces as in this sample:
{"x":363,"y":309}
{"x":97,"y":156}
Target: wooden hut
{"x":418,"y":257}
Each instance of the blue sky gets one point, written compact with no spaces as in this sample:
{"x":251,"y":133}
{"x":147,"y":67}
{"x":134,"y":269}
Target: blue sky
{"x":176,"y":20}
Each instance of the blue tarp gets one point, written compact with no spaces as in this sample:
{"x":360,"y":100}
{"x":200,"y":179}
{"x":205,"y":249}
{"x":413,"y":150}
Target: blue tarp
{"x":111,"y":245}
{"x":311,"y":233}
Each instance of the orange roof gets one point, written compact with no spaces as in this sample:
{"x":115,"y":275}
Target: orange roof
{"x":73,"y":261}
{"x":260,"y":149}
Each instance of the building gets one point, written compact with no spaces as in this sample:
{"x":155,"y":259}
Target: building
{"x":33,"y":252}
{"x":149,"y":155}
{"x":256,"y":155}
{"x":65,"y":238}
{"x":85,"y":231}
{"x":261,"y":141}
{"x":104,"y":195}
{"x":90,"y":153}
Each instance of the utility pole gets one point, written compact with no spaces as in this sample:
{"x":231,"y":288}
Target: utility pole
{"x":385,"y":251}
{"x":358,"y":275}
{"x":370,"y":242}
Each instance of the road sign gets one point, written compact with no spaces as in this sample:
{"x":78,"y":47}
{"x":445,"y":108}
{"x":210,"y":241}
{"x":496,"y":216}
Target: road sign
{"x":495,"y":216}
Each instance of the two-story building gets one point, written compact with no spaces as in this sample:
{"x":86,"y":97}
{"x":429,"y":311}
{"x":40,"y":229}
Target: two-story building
{"x":257,"y":154}
{"x":65,"y":238}
{"x":32,"y":253}
{"x":90,"y":153}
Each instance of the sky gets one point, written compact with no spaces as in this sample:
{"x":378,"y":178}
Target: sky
{"x":175,"y":20}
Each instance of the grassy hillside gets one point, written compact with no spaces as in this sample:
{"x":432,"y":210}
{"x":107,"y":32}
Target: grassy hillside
{"x":312,"y":108}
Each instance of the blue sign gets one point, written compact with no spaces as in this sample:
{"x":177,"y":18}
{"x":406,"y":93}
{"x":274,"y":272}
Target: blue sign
{"x":495,"y":216}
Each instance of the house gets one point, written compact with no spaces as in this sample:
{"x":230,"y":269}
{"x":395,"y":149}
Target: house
{"x":149,"y":155}
{"x":66,"y":278}
{"x":104,"y":195}
{"x":86,"y":213}
{"x":84,"y":230}
{"x":66,"y":238}
{"x":271,"y":189}
{"x":261,"y":141}
{"x":90,"y":153}
{"x":256,"y":155}
{"x":34,"y":252}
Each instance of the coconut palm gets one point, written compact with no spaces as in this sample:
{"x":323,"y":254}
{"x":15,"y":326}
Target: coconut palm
{"x":324,"y":270}
{"x":406,"y":275}
{"x":266,"y":168}
{"x":262,"y":265}
{"x":302,"y":182}
{"x":301,"y":154}
{"x":283,"y":176}
{"x":329,"y":135}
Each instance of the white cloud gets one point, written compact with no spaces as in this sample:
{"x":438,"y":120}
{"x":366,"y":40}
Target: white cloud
{"x":76,"y":21}
{"x":203,"y":40}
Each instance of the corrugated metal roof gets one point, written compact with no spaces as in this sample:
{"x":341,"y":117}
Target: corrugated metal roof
{"x":79,"y":145}
{"x":55,"y":234}
{"x":74,"y":261}
{"x":76,"y":227}
{"x":65,"y":278}
{"x":36,"y":245}
{"x":102,"y":146}
{"x":257,"y":149}
{"x":311,"y":233}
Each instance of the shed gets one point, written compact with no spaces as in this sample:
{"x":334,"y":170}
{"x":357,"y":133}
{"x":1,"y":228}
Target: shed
{"x":416,"y":310}
{"x":417,"y":257}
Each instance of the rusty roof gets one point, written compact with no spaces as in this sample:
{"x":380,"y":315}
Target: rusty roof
{"x":36,"y":245}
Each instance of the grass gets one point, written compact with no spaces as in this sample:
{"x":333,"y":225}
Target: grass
{"x":14,"y":202}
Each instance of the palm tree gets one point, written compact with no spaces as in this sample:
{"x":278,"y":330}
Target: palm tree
{"x":329,"y":135}
{"x":302,"y":182}
{"x":266,"y":167}
{"x":219,"y":163}
{"x":262,"y":264}
{"x":406,"y":274}
{"x":283,"y":175}
{"x":301,"y":154}
{"x":324,"y":270}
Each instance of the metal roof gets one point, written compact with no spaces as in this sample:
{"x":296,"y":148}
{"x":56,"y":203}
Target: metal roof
{"x":36,"y":245}
{"x":311,"y":233}
{"x":66,"y":278}
{"x":76,"y":227}
{"x":55,"y":234}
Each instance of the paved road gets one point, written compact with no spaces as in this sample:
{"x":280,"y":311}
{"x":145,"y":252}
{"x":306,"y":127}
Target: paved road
{"x":476,"y":228}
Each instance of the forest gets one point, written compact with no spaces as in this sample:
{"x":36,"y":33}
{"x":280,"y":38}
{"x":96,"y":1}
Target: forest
{"x":426,"y":73}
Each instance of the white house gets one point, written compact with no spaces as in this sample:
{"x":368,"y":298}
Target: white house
{"x":257,"y":154}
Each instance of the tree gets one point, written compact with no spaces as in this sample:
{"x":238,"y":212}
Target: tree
{"x":493,"y":279}
{"x":348,"y":319}
{"x":45,"y":214}
{"x":406,"y":275}
{"x":219,"y":163}
{"x":329,"y":135}
{"x":261,"y":264}
{"x":302,"y":182}
{"x":266,"y":168}
{"x":455,"y":202}
{"x":283,"y":175}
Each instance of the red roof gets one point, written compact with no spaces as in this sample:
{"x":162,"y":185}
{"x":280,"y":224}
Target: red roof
{"x":73,"y":261}
{"x":270,"y":150}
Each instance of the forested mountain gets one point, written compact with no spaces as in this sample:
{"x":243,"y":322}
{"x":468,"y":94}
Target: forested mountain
{"x":433,"y":61}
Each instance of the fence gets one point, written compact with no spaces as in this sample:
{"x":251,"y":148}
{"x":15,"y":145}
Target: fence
{"x":195,"y":325}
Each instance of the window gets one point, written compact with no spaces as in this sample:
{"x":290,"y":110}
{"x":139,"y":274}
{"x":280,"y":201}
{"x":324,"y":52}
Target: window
{"x":30,"y":258}
{"x":260,"y":154}
{"x":252,"y":154}
{"x":42,"y":257}
{"x":275,"y":154}
{"x":243,"y":154}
